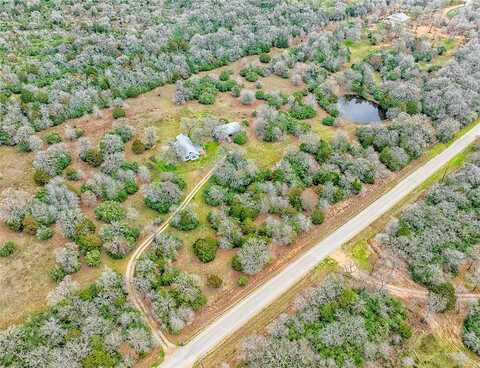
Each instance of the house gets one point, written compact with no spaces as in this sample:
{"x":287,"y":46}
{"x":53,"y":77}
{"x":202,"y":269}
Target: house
{"x":226,"y":131}
{"x":185,"y":149}
{"x":398,"y":18}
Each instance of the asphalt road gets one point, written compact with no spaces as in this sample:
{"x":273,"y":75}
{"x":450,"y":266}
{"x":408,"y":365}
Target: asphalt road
{"x":243,"y":311}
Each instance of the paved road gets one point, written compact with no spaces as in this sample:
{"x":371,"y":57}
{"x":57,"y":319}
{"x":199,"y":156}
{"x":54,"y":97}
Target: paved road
{"x":134,"y":296}
{"x":237,"y":316}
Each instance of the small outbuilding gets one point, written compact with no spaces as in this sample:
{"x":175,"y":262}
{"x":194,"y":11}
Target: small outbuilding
{"x":398,"y":18}
{"x":226,"y":131}
{"x":185,"y":149}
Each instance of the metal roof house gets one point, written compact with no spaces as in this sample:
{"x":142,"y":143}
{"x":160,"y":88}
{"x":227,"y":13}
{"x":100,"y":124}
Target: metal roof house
{"x":398,"y":18}
{"x":223,"y":132}
{"x":185,"y":149}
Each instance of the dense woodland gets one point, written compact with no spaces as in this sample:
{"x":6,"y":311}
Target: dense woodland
{"x":333,"y":325}
{"x":93,"y":327}
{"x":62,"y":60}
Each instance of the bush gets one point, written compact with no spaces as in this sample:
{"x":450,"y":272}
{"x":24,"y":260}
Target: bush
{"x":138,"y":147}
{"x":242,"y":281}
{"x":41,"y":178}
{"x":395,"y":158}
{"x":88,"y":242}
{"x":44,"y":232}
{"x":214,"y":281}
{"x":131,"y":187}
{"x":185,"y":220}
{"x":206,"y":98}
{"x":247,"y":97}
{"x":52,"y":138}
{"x":302,"y":112}
{"x":72,"y":174}
{"x":92,"y":258}
{"x":205,"y":249}
{"x":240,"y":138}
{"x":265,"y":58}
{"x":317,"y":216}
{"x":57,"y":274}
{"x":30,"y":225}
{"x":118,"y":112}
{"x":328,"y":121}
{"x":93,"y":157}
{"x":110,"y":211}
{"x":447,"y":291}
{"x":8,"y":248}
{"x":236,"y":263}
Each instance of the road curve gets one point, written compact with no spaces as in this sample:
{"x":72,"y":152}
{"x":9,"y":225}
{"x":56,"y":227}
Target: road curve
{"x":243,"y":311}
{"x":134,"y":296}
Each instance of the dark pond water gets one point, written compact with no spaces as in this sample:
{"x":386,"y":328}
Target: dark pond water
{"x":358,"y":110}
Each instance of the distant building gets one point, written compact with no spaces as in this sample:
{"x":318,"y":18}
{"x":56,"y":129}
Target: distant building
{"x":185,"y":149}
{"x":226,"y":131}
{"x":398,"y":18}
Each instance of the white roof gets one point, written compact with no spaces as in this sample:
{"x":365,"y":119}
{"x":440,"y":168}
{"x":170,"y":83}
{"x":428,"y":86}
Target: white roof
{"x":399,"y":17}
{"x":184,"y":146}
{"x":227,"y":129}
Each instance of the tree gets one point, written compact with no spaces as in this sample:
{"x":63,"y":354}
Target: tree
{"x":185,"y":220}
{"x":14,"y":205}
{"x":68,"y":258}
{"x":161,"y":196}
{"x":205,"y":249}
{"x":253,"y":256}
{"x":150,"y":137}
{"x":110,"y":211}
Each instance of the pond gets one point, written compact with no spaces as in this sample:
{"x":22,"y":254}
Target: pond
{"x":359,"y":110}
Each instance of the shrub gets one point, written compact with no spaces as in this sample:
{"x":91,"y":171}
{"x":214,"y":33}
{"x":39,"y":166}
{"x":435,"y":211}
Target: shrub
{"x":92,"y":258}
{"x":447,"y":291}
{"x":185,"y":220}
{"x":53,"y":160}
{"x":317,"y":216}
{"x":8,"y":248}
{"x":224,"y":75}
{"x":88,"y":242}
{"x":57,"y":274}
{"x":247,"y":97}
{"x":118,"y":112}
{"x":52,"y":138}
{"x":302,"y":112}
{"x":30,"y":225}
{"x":240,"y":138}
{"x":138,"y":147}
{"x":72,"y":174}
{"x":206,"y":98}
{"x":44,"y":232}
{"x":215,"y":195}
{"x":131,"y":187}
{"x":265,"y":58}
{"x":471,"y":328}
{"x":214,"y":281}
{"x":41,"y":178}
{"x":236,"y":263}
{"x":205,"y":249}
{"x":395,"y":158}
{"x":93,"y":157}
{"x":328,"y":121}
{"x":110,"y":211}
{"x":242,"y":281}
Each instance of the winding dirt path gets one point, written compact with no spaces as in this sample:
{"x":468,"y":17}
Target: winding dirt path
{"x":135,"y":298}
